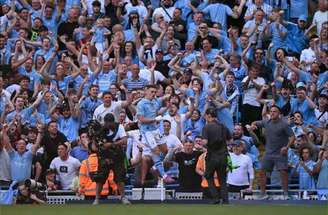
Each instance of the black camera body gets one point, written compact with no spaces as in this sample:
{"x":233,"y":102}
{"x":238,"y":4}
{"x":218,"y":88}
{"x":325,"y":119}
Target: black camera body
{"x":94,"y":131}
{"x":34,"y":185}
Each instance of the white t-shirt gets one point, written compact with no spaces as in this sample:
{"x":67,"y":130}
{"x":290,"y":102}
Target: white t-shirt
{"x":12,"y":88}
{"x":4,"y":22}
{"x":323,"y":117}
{"x":141,"y":9}
{"x":146,"y":74}
{"x":29,"y":147}
{"x":251,"y":92}
{"x":171,"y":141}
{"x":6,"y":96}
{"x":135,"y":138}
{"x":174,"y":124}
{"x":120,"y":133}
{"x":160,"y":10}
{"x":319,"y":18}
{"x":240,"y":176}
{"x":308,"y":56}
{"x":101,"y":111}
{"x":66,"y":170}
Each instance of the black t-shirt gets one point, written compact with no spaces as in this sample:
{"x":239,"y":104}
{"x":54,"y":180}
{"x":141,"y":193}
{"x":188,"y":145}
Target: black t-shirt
{"x":111,"y":12}
{"x":163,"y":68}
{"x":216,"y":135}
{"x":50,"y":146}
{"x":189,"y":180}
{"x":66,"y":28}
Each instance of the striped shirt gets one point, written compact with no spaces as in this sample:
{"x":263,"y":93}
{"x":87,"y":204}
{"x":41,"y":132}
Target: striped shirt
{"x":265,"y":7}
{"x":134,"y":84}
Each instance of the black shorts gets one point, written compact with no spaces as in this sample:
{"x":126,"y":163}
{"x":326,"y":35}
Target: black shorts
{"x":118,"y":166}
{"x":113,"y":160}
{"x":103,"y":170}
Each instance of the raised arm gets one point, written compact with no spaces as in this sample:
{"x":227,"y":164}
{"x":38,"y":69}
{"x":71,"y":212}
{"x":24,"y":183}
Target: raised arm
{"x":37,"y":143}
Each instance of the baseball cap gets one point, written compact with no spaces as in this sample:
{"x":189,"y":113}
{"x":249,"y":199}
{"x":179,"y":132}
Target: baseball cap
{"x":300,"y":84}
{"x":302,"y":18}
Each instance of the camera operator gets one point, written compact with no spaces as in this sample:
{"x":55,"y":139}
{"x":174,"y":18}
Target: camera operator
{"x":112,"y":153}
{"x":29,"y":193}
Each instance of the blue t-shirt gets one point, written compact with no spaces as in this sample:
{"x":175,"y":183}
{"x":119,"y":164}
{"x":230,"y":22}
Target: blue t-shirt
{"x":303,"y":107}
{"x":21,"y":165}
{"x":306,"y":181}
{"x":105,"y":80}
{"x":25,"y":115}
{"x":80,"y":153}
{"x":34,"y":76}
{"x":148,"y":109}
{"x":88,"y":106}
{"x":196,"y":127}
{"x":277,"y":40}
{"x":69,"y":127}
{"x":99,"y":34}
{"x":63,"y":84}
{"x":323,"y":176}
{"x":298,"y":8}
{"x":51,"y":24}
{"x":202,"y":98}
{"x":218,"y":13}
{"x":296,"y":40}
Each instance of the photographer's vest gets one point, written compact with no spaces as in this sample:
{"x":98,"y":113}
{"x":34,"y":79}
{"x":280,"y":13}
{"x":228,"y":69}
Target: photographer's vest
{"x":87,"y":186}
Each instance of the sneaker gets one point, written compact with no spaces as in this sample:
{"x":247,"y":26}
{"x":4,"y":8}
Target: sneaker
{"x":168,"y":180}
{"x":285,"y":197}
{"x":125,"y":201}
{"x":95,"y":202}
{"x":160,"y":183}
{"x":215,"y":201}
{"x":263,"y":197}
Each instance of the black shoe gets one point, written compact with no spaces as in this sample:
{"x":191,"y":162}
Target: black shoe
{"x":225,"y":202}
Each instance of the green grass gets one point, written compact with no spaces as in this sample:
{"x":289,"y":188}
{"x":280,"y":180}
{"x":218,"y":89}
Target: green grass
{"x":165,"y":209}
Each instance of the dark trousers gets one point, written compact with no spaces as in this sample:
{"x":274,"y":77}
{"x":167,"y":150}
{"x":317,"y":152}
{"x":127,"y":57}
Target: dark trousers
{"x":236,"y":189}
{"x":217,"y":163}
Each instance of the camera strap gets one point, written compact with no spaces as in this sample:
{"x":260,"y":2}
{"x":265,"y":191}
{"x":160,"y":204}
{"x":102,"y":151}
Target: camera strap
{"x":111,"y":137}
{"x":167,"y":13}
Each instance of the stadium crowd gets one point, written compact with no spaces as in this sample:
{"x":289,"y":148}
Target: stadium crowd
{"x":154,"y":68}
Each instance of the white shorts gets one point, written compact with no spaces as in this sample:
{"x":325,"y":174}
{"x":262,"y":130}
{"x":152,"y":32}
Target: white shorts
{"x":152,"y":138}
{"x":100,"y":47}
